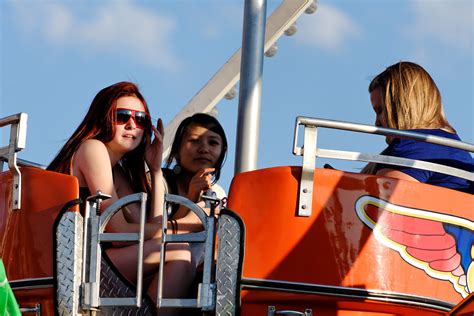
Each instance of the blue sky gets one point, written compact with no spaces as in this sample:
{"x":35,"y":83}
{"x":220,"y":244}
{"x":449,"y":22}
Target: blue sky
{"x":56,"y":55}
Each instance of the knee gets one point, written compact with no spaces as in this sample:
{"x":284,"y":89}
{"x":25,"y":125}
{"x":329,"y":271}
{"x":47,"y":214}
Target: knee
{"x":179,"y":252}
{"x":182,"y":264}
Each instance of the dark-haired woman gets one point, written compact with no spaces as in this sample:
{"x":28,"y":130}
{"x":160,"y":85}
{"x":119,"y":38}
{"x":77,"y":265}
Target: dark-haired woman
{"x":197,"y":155}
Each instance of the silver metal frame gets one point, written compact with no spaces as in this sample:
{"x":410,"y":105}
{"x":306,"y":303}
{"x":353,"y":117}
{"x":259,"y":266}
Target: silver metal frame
{"x":251,"y":70}
{"x":310,"y":151}
{"x":94,"y":226}
{"x":69,"y":254}
{"x":229,"y":260}
{"x":17,"y":142}
{"x":207,"y":289}
{"x":22,"y":163}
{"x":36,"y":309}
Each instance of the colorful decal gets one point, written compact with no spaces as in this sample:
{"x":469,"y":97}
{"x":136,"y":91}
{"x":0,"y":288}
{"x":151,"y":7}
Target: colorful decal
{"x":439,"y":244}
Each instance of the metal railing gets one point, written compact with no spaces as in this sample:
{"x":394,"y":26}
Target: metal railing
{"x":310,"y":152}
{"x":94,"y":235}
{"x":206,"y":299}
{"x":17,"y":142}
{"x":94,"y":226}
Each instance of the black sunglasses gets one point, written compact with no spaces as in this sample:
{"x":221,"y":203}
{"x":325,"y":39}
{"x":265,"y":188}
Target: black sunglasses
{"x":142,"y":119}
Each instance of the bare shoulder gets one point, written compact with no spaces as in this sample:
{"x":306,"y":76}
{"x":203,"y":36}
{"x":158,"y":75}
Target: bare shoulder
{"x":91,"y":165}
{"x":92,"y":151}
{"x":92,"y":148}
{"x":92,"y":144}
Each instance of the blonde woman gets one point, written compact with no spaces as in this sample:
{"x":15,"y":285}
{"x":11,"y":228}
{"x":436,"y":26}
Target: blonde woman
{"x":405,"y":97}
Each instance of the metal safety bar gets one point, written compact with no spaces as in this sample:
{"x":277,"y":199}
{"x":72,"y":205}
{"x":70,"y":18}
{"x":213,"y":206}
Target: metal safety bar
{"x":207,"y":289}
{"x":94,"y":226}
{"x":22,"y":163}
{"x":17,"y":142}
{"x":310,"y":151}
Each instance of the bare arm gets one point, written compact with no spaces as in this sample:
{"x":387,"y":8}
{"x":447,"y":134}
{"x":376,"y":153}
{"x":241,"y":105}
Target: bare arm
{"x":154,"y":156}
{"x":200,"y":182}
{"x":93,"y":168}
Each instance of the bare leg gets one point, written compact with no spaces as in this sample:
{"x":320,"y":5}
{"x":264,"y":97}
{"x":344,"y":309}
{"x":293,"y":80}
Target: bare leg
{"x":179,"y":270}
{"x":178,"y":277}
{"x":125,"y":259}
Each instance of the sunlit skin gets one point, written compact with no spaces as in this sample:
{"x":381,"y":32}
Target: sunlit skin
{"x":127,"y":136}
{"x":377,"y":103}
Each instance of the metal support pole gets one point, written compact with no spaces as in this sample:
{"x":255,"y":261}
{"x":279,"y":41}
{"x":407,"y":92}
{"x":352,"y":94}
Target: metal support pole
{"x":248,"y":123}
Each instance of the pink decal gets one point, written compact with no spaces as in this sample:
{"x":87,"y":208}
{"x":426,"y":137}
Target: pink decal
{"x":419,"y":237}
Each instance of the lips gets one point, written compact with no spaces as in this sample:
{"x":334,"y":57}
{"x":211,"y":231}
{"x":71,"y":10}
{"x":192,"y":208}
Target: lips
{"x":129,"y":136}
{"x":203,"y":159}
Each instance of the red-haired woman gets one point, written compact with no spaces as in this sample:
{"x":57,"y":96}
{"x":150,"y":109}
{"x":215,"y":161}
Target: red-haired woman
{"x":107,"y":152}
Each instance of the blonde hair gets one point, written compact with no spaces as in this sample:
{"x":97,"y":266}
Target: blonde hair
{"x":410,"y":100}
{"x":410,"y":97}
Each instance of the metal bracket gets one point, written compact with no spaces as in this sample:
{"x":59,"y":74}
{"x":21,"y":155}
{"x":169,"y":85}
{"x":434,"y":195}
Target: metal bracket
{"x":36,"y":309}
{"x":308,"y":151}
{"x":272,"y":311}
{"x":16,"y":143}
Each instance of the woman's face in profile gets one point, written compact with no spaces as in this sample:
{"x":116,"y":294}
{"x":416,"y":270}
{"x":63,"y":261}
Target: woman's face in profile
{"x":377,"y":104}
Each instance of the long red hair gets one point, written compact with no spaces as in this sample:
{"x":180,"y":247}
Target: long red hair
{"x":99,"y":123}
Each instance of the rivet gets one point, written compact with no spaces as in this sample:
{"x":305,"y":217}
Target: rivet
{"x":303,"y":207}
{"x":305,"y":190}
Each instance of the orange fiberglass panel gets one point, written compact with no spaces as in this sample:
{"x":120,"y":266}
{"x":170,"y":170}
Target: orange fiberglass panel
{"x":466,"y":307}
{"x":6,"y":181}
{"x":366,"y":232}
{"x":27,"y":234}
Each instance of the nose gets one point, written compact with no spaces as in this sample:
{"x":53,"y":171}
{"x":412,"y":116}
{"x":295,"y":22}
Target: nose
{"x":131,"y":123}
{"x":203,"y":148}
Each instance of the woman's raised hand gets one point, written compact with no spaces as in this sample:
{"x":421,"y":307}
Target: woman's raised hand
{"x":154,"y":149}
{"x":201,"y":181}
